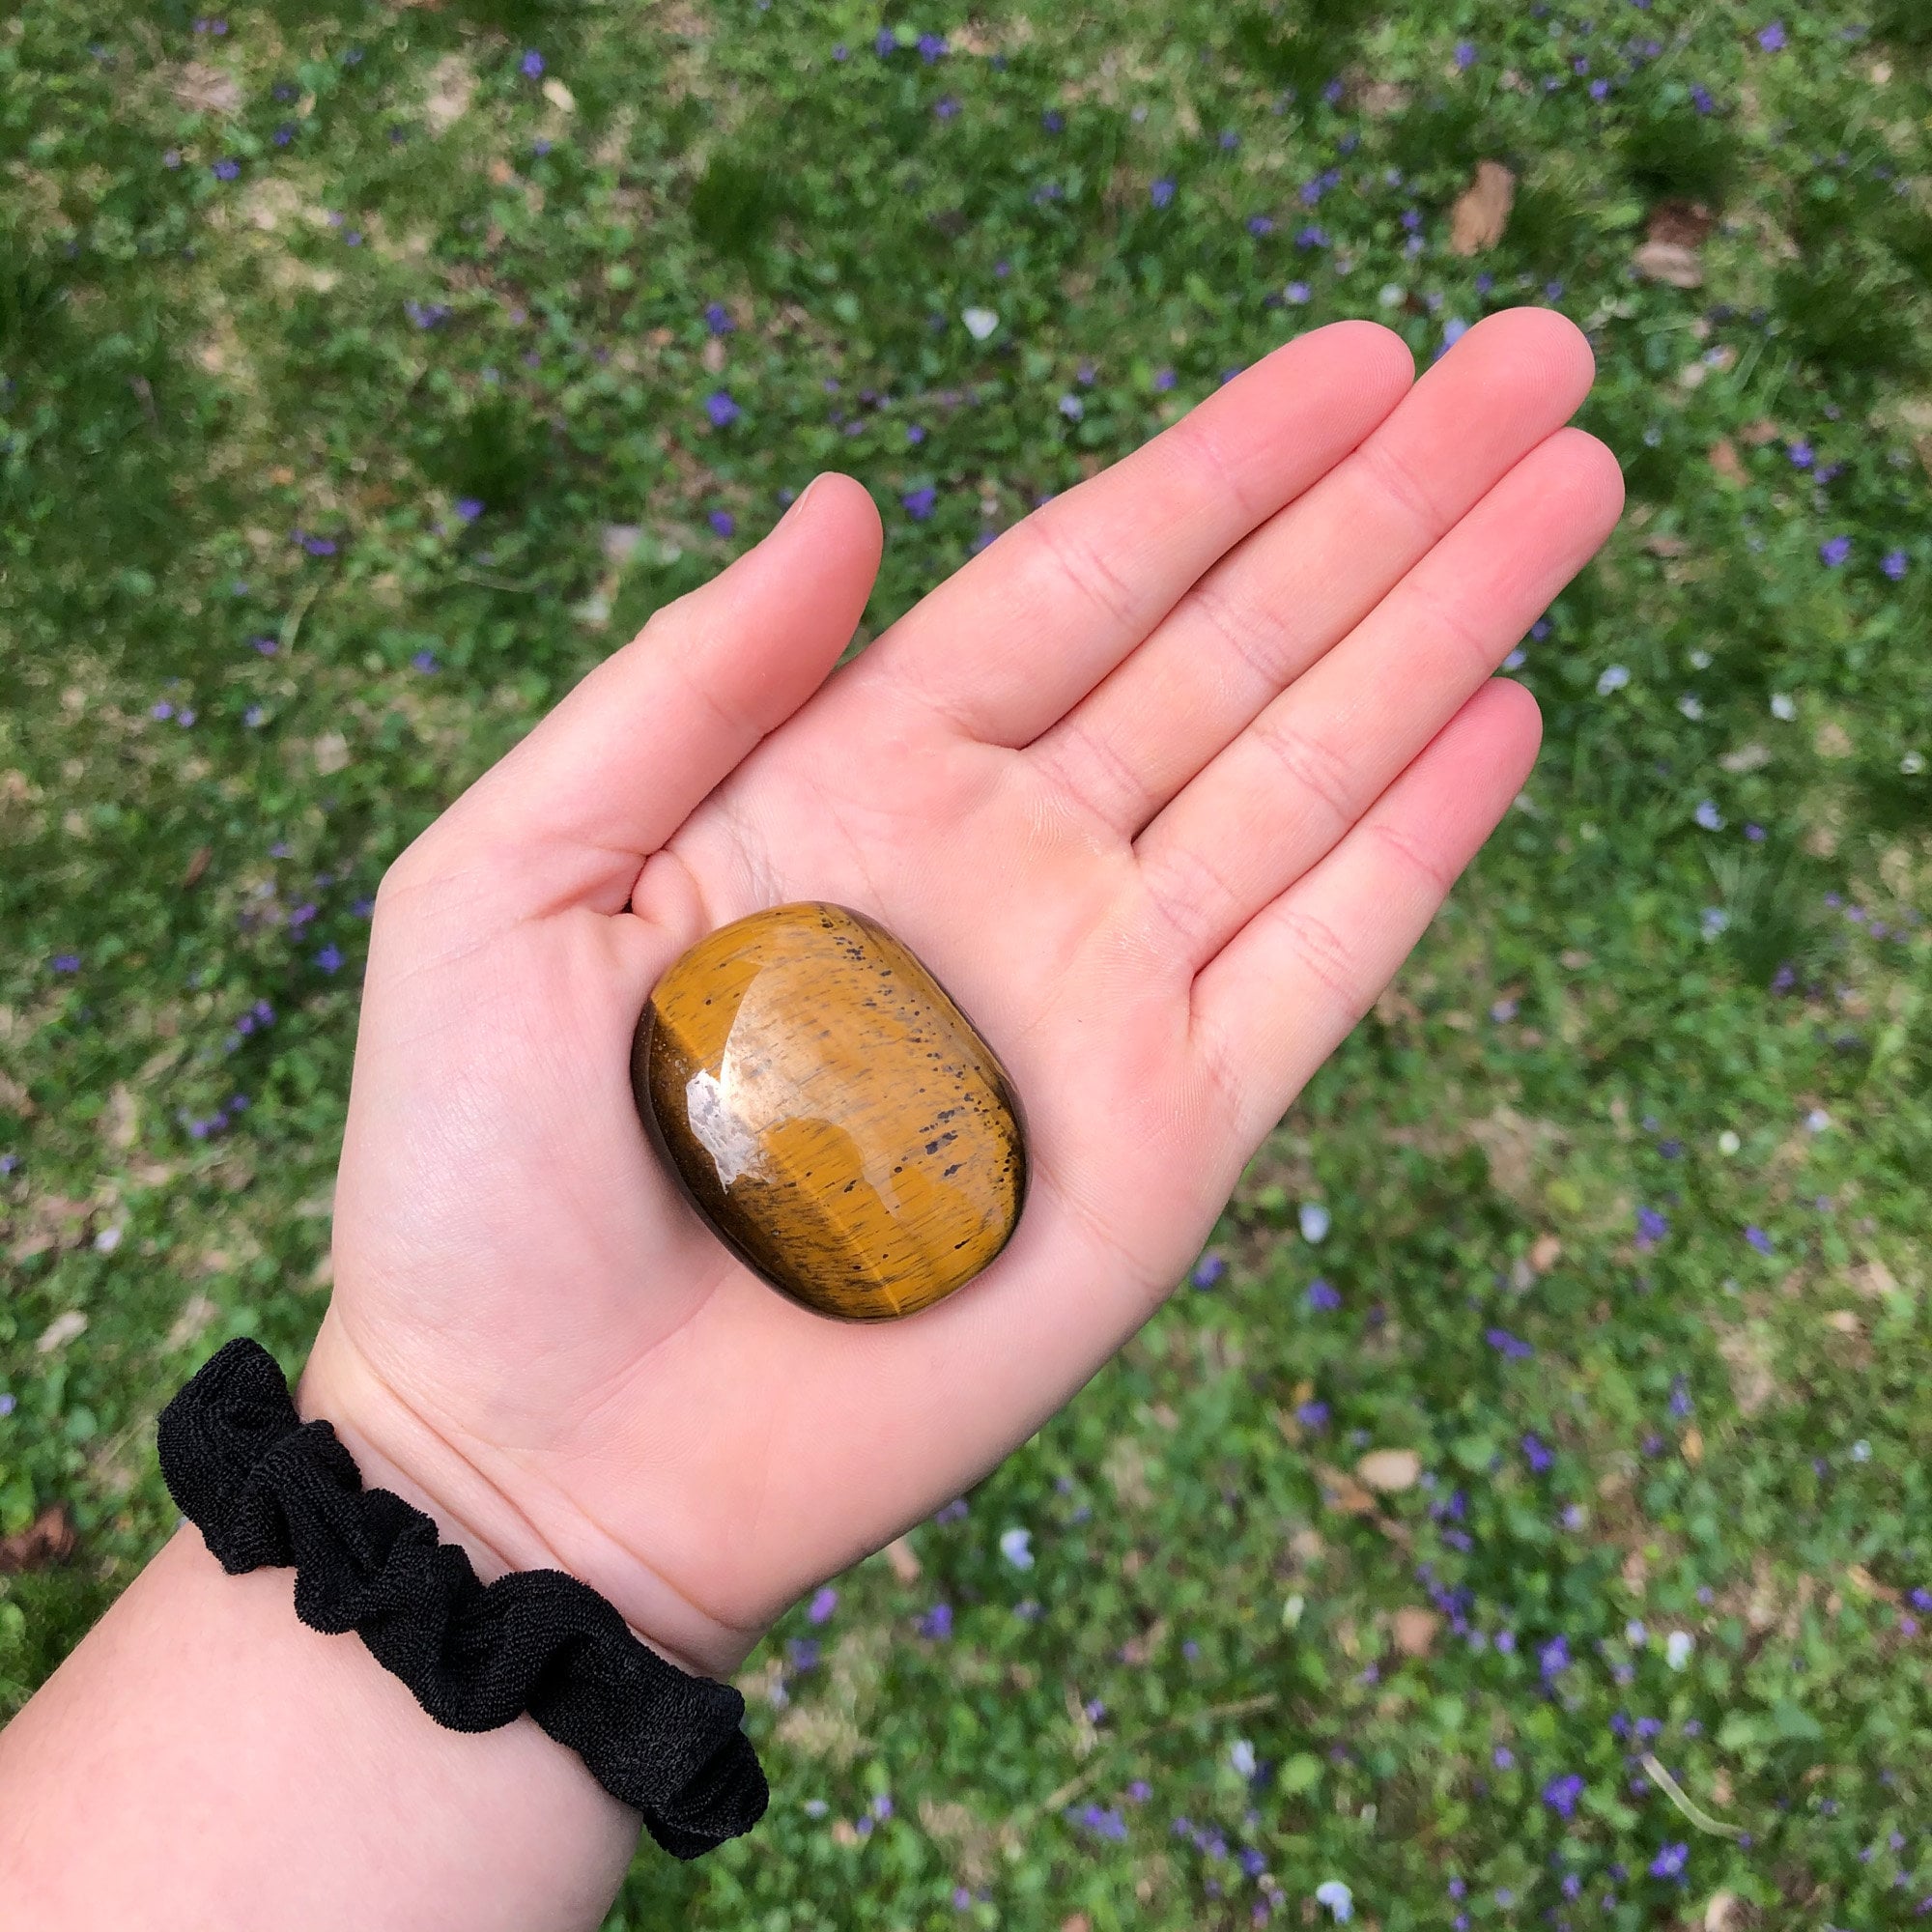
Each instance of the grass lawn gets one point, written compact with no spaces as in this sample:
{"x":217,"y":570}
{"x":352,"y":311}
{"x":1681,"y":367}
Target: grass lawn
{"x":364,"y":379}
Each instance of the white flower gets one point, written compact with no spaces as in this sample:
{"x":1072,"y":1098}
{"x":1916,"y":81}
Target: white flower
{"x":1700,"y":659}
{"x":979,"y":322}
{"x":1716,"y":919}
{"x":1614,"y":678}
{"x":1391,"y":295}
{"x":1072,"y":407}
{"x":1691,"y":706}
{"x":1336,"y":1898}
{"x":1635,"y":1633}
{"x":1016,"y":1547}
{"x":1911,"y":764}
{"x":1817,"y":1119}
{"x":1783,"y":708}
{"x":1313,"y":1219}
{"x":1708,"y":816}
{"x":1677,"y":1649}
{"x":1861,"y":1451}
{"x":1242,"y":1755}
{"x":1728,"y":1142}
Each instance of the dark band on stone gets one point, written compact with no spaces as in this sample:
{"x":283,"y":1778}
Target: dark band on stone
{"x":268,"y":1489}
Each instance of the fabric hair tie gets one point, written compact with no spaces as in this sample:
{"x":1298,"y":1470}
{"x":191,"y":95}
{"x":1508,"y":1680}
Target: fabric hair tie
{"x":268,"y":1489}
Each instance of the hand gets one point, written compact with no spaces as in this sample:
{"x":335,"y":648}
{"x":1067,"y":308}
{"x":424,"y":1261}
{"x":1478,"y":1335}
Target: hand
{"x":1163,"y":786}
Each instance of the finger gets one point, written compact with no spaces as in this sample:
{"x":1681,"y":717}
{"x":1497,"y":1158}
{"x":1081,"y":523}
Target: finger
{"x":1285,"y":992}
{"x":607,"y":778}
{"x":1273,"y":605}
{"x":1293,"y":782}
{"x":1030,"y":626}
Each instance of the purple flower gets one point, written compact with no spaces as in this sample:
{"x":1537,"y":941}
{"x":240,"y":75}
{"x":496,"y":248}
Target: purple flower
{"x":1771,"y":40}
{"x":885,"y":41}
{"x":1561,"y":1794}
{"x":1230,"y":140}
{"x":1895,"y":564}
{"x":1799,"y":454}
{"x":7,"y":1401}
{"x":718,"y":320}
{"x":227,"y":168}
{"x":1323,"y":1297}
{"x":1537,"y":1454}
{"x":1506,"y":1344}
{"x":1671,"y":1862}
{"x":1600,"y":90}
{"x":1312,"y":1415}
{"x":1465,"y":55}
{"x":1554,"y":1659}
{"x":1261,"y":224}
{"x":1758,"y":1240}
{"x":1700,"y":98}
{"x":532,"y":65}
{"x":424,"y":661}
{"x":937,"y":1623}
{"x":946,"y":108}
{"x":470,"y":508}
{"x":1650,"y":1227}
{"x":1164,"y":380}
{"x":801,"y":1653}
{"x":721,"y":409}
{"x":284,"y":134}
{"x":823,"y":1602}
{"x":426,"y":315}
{"x":722,"y":522}
{"x":931,"y":47}
{"x":1297,"y":292}
{"x":1053,"y":121}
{"x":1100,"y":1823}
{"x":329,"y":959}
{"x":1161,"y":192}
{"x":1503,"y":1757}
{"x":1833,"y":550}
{"x":1311,"y":237}
{"x":1680,"y":1398}
{"x":1208,"y":1270}
{"x":65,"y":962}
{"x":918,"y":503}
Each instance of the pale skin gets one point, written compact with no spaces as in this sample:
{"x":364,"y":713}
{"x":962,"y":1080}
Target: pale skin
{"x":1163,"y":786}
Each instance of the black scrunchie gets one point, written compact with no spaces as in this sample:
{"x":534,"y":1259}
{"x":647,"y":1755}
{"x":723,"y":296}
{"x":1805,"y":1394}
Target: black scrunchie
{"x":266,"y":1489}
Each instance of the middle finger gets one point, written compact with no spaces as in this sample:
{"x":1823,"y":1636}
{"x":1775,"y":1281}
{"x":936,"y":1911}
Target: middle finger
{"x":1271,"y":608}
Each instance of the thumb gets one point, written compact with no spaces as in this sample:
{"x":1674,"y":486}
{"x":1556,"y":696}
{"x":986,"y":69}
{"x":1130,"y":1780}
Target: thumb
{"x":620,"y":763}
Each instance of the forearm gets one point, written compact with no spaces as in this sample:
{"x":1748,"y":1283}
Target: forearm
{"x":206,"y":1761}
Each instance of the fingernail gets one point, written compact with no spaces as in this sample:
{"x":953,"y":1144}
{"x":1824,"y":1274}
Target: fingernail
{"x":799,"y":501}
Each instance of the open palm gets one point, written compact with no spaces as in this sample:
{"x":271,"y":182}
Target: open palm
{"x":1163,"y":786}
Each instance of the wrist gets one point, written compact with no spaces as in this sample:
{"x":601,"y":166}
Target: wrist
{"x":203,"y":1751}
{"x":505,"y":1514}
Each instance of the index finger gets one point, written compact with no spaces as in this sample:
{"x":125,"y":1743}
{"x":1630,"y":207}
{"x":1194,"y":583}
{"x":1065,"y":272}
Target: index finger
{"x":1015,"y":639}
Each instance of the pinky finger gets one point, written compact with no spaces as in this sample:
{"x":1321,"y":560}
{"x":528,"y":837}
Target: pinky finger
{"x":1278,"y":999}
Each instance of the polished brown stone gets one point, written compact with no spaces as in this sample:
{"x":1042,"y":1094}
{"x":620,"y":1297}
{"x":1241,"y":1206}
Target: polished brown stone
{"x":831,"y":1112}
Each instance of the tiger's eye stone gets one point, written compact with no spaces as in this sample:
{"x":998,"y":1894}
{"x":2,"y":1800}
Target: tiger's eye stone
{"x":831,"y":1112}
